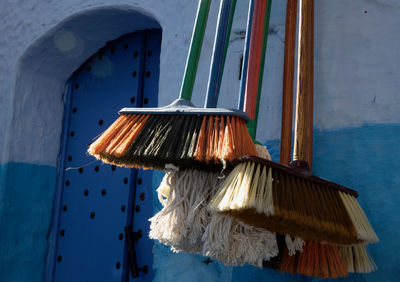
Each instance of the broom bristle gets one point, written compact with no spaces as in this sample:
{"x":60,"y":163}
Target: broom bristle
{"x":357,"y":259}
{"x":152,"y":141}
{"x":360,"y":221}
{"x":102,"y":142}
{"x":289,"y":204}
{"x":262,"y":152}
{"x":316,"y":260}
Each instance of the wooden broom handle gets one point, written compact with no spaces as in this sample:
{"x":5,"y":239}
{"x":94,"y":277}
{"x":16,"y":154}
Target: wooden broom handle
{"x":311,"y":96}
{"x":300,"y":151}
{"x":288,"y":75}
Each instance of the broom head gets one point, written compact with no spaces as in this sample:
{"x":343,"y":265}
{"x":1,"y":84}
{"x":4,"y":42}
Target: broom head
{"x":285,"y":200}
{"x":179,"y":134}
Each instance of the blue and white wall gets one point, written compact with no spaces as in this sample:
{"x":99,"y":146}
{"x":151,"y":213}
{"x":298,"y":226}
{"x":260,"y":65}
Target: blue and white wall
{"x":356,"y":114}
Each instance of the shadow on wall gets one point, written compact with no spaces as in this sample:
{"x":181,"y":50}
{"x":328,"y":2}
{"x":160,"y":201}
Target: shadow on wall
{"x":34,"y":131}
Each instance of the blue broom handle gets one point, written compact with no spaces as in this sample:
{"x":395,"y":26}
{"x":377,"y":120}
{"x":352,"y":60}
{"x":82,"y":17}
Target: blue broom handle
{"x":225,"y":17}
{"x":245,"y":63}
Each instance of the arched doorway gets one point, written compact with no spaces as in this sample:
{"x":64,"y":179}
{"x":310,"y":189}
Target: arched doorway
{"x":98,"y":202}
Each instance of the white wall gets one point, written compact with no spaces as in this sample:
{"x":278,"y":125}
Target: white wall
{"x":356,"y":67}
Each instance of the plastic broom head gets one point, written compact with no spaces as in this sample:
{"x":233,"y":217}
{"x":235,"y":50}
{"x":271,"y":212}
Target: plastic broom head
{"x":283,"y":200}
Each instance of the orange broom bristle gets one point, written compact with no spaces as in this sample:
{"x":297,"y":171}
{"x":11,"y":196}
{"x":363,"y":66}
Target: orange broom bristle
{"x":316,"y":260}
{"x":288,"y":263}
{"x":102,"y":142}
{"x":129,"y":127}
{"x":217,"y":152}
{"x":200,"y":147}
{"x":124,"y":145}
{"x":210,"y":139}
{"x":228,"y":145}
{"x":216,"y":137}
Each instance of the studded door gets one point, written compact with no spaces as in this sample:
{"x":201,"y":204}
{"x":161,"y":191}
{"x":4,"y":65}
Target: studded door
{"x":99,"y":202}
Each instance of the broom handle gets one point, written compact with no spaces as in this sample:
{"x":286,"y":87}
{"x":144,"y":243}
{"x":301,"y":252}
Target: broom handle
{"x":195,"y":49}
{"x":254,"y":59}
{"x":303,"y":83}
{"x":221,"y":42}
{"x":246,"y":52}
{"x":311,"y":97}
{"x":288,"y":76}
{"x":252,"y":124}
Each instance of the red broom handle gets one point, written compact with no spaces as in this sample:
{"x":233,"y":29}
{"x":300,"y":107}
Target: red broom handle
{"x":303,"y":83}
{"x":254,"y":59}
{"x":288,"y":75}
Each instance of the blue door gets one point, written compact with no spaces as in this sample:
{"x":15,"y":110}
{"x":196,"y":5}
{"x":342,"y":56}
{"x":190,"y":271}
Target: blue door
{"x":100,"y":204}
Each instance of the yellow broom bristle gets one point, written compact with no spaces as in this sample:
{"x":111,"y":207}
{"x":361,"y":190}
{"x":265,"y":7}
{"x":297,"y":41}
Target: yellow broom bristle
{"x":357,"y":259}
{"x":360,"y":221}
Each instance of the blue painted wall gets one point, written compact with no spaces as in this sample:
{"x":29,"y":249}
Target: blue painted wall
{"x":26,"y":203}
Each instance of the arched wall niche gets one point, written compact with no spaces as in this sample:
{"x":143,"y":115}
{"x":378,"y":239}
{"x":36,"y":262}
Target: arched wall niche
{"x":44,"y":68}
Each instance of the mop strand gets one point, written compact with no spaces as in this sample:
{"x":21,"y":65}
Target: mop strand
{"x":235,"y":243}
{"x":184,"y":217}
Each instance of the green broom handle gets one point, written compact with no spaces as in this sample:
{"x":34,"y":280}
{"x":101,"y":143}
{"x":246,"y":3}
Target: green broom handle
{"x":252,"y":124}
{"x":195,"y":49}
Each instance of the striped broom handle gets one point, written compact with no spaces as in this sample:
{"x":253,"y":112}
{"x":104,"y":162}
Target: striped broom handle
{"x":224,"y":25}
{"x":195,"y":49}
{"x":303,"y":82}
{"x":288,"y":75}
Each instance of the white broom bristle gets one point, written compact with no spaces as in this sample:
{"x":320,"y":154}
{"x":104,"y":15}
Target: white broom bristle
{"x":357,"y":259}
{"x":235,"y":243}
{"x":184,"y":217}
{"x":262,"y":152}
{"x":365,"y":232}
{"x":248,"y":186}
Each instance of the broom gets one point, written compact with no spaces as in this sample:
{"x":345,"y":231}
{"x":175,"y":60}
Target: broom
{"x":227,"y":239}
{"x":355,"y":257}
{"x":178,"y":134}
{"x":184,"y":194}
{"x":315,"y":252}
{"x":290,"y":200}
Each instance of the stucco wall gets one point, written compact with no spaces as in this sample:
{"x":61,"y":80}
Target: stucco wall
{"x":357,"y":125}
